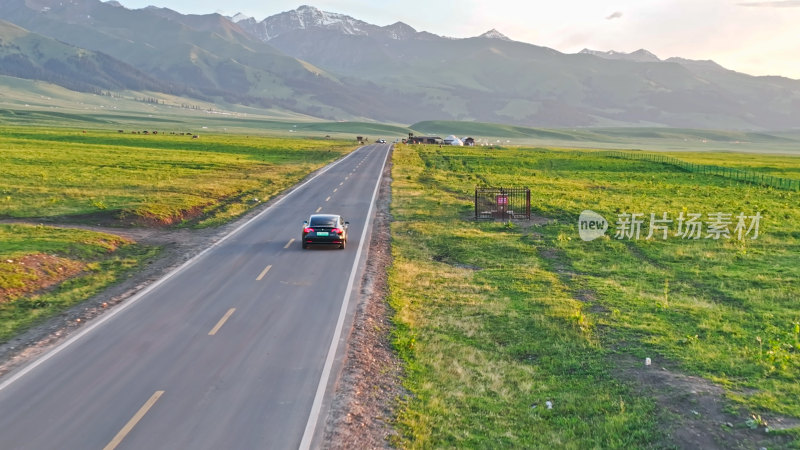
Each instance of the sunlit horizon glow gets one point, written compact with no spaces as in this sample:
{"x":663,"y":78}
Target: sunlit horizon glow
{"x":753,"y":37}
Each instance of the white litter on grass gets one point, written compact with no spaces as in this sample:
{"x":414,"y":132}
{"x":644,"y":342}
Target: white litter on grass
{"x":647,"y":361}
{"x":549,"y":404}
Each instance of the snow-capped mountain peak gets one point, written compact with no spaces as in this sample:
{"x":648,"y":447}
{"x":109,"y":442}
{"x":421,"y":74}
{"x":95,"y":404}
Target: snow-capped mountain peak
{"x":494,"y":34}
{"x":640,"y":55}
{"x":306,"y":17}
{"x":238,"y":17}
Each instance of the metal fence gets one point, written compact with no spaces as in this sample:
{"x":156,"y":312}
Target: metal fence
{"x":493,"y":203}
{"x":746,"y":176}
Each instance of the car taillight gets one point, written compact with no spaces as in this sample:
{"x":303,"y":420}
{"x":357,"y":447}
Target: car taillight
{"x":336,"y":231}
{"x":308,"y":230}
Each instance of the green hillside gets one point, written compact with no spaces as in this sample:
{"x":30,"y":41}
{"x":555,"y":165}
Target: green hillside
{"x":26,"y":102}
{"x":490,"y":130}
{"x":660,"y":138}
{"x":366,"y":129}
{"x":33,"y":56}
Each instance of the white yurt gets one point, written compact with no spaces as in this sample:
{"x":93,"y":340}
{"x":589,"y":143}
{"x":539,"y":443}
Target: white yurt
{"x":452,"y":140}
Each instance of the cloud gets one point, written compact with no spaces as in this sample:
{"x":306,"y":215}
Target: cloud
{"x":618,"y":14}
{"x":778,"y":4}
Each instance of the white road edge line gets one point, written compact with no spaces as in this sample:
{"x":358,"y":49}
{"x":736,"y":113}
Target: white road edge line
{"x":133,"y":300}
{"x":316,"y":407}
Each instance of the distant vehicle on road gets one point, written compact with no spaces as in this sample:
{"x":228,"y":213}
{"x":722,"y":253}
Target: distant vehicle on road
{"x":325,"y":229}
{"x":381,"y":141}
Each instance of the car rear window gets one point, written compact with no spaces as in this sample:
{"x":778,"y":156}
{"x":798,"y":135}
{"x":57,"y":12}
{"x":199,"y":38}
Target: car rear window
{"x":322,"y":222}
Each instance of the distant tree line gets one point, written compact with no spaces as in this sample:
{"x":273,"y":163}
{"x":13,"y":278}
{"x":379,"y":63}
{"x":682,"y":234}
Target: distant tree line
{"x":151,"y":100}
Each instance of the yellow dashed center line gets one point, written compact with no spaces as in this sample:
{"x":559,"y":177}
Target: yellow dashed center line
{"x":341,"y":183}
{"x":288,"y":244}
{"x":335,"y":190}
{"x":319,"y":209}
{"x":266,"y":269}
{"x":134,"y":420}
{"x":222,"y":322}
{"x":327,"y":199}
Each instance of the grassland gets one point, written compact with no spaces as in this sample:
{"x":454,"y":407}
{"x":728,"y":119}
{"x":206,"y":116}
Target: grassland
{"x":621,"y":138}
{"x":495,"y":320}
{"x":45,"y":270}
{"x":149,"y":179}
{"x":775,"y":165}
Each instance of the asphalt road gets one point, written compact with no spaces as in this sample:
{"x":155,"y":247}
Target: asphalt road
{"x":231,"y":351}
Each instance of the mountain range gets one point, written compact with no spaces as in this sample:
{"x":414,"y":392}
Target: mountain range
{"x":336,"y":67}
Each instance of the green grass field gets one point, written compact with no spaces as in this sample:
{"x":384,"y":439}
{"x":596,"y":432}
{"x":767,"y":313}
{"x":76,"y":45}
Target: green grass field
{"x":150,"y":179}
{"x":45,"y":270}
{"x":495,"y":320}
{"x":775,"y":165}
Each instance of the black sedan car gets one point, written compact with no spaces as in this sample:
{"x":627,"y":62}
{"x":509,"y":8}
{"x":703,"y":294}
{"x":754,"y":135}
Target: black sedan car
{"x":327,"y":229}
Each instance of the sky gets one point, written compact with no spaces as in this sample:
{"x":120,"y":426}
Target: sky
{"x":758,"y":37}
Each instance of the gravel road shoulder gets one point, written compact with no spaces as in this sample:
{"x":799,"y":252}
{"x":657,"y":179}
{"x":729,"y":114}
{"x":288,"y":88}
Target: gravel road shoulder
{"x":369,"y":385}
